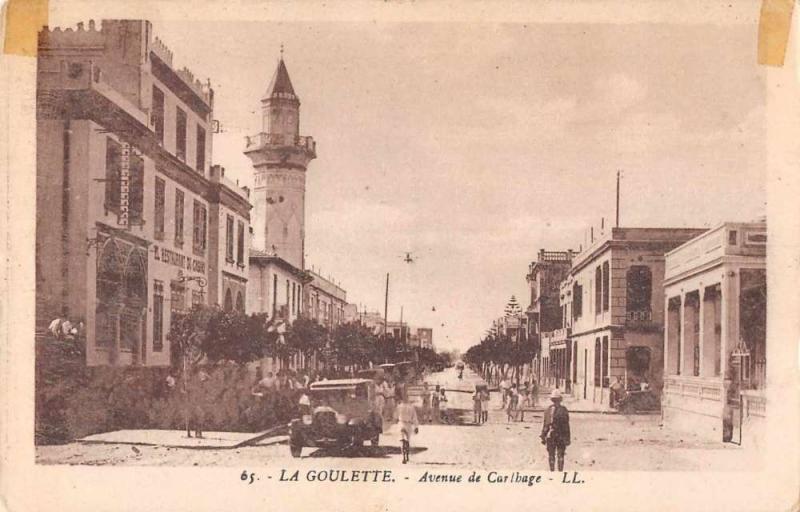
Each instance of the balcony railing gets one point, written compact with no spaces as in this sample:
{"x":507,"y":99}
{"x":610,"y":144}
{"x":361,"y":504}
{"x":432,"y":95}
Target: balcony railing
{"x":278,"y":139}
{"x":641,"y":316}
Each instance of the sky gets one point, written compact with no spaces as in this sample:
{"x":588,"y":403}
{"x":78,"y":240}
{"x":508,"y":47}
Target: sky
{"x":473,"y":146}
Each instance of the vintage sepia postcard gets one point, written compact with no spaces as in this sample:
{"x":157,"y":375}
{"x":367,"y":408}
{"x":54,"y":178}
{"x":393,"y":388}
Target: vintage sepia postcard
{"x":400,"y":255}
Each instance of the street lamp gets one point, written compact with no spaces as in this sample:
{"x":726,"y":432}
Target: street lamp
{"x":200,"y":280}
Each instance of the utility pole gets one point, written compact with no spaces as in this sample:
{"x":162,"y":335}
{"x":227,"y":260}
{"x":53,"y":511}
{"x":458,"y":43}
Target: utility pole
{"x":618,"y":175}
{"x":386,"y":307}
{"x":402,"y":333}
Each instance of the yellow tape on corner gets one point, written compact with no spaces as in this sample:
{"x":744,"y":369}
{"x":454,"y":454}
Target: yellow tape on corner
{"x":773,"y":31}
{"x":24,"y":19}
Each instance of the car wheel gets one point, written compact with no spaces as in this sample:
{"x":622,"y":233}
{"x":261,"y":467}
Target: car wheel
{"x":296,"y":450}
{"x":375,"y":440}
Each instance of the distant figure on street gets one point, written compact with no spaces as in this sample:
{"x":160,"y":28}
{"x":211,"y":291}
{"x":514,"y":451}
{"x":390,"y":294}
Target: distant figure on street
{"x":390,"y":405}
{"x":426,"y":403}
{"x":380,"y":399}
{"x":524,"y":393}
{"x":617,"y":391}
{"x":555,"y":431}
{"x":443,"y":406}
{"x":196,"y":404}
{"x":435,"y":397}
{"x":513,"y":402}
{"x":305,"y":404}
{"x":505,"y":388}
{"x":409,"y":425}
{"x":485,"y":405}
{"x":477,"y":410}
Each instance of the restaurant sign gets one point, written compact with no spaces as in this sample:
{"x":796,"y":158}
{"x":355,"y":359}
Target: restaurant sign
{"x":179,"y":260}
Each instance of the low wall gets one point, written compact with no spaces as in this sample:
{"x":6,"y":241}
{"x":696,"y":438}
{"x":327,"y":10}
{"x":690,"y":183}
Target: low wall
{"x":693,"y":404}
{"x":73,"y":400}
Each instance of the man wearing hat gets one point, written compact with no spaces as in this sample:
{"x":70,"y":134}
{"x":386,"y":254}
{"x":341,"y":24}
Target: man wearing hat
{"x":555,"y":431}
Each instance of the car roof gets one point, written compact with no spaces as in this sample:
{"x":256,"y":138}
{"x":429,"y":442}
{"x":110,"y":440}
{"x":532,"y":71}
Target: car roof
{"x":338,"y":384}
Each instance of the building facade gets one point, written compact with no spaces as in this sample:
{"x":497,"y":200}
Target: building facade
{"x":275,"y":287}
{"x":373,"y":320}
{"x":280,"y":156}
{"x":325,"y":301}
{"x":715,"y":331}
{"x":123,"y":189}
{"x":616,"y":310}
{"x":229,"y":238}
{"x":543,"y":315}
{"x":425,"y":337}
{"x":544,"y":279}
{"x":399,"y":331}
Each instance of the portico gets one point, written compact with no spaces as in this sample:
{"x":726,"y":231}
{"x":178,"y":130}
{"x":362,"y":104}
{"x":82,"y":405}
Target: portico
{"x":714,"y":336}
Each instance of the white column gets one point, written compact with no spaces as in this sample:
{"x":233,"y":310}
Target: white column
{"x":701,"y":334}
{"x":682,"y":339}
{"x":729,"y":317}
{"x":666,"y":336}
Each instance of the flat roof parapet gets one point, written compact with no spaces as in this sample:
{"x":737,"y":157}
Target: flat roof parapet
{"x":69,"y":37}
{"x":199,"y":87}
{"x":159,"y":48}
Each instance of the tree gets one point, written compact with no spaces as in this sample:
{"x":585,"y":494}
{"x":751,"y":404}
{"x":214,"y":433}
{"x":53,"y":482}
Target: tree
{"x":188,"y":336}
{"x":233,"y":336}
{"x":306,"y":336}
{"x":354,"y":344}
{"x":212,"y":334}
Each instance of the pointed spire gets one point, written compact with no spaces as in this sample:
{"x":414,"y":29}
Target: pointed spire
{"x":281,"y":85}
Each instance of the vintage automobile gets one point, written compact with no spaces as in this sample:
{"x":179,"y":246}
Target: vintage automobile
{"x":343,"y":414}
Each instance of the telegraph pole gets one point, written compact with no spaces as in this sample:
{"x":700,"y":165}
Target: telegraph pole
{"x":402,"y":334}
{"x":618,"y":175}
{"x":386,"y":307}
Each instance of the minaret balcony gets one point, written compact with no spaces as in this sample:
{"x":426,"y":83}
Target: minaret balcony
{"x":260,"y":140}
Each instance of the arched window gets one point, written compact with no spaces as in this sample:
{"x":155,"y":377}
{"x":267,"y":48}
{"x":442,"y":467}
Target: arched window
{"x":121,"y":294}
{"x":109,"y":291}
{"x":135,"y":300}
{"x":228,"y":306}
{"x":239,"y":302}
{"x":639,"y":288}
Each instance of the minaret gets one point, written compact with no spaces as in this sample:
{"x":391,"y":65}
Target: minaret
{"x":280,"y":156}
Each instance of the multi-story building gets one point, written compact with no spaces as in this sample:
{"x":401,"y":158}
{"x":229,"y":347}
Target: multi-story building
{"x":715,"y":331}
{"x":543,"y":316}
{"x":616,"y":308}
{"x":275,"y":287}
{"x":397,"y":330}
{"x":123,"y":190}
{"x":351,"y":313}
{"x":325,"y":301}
{"x":229,"y":238}
{"x":373,"y":320}
{"x":544,"y":278}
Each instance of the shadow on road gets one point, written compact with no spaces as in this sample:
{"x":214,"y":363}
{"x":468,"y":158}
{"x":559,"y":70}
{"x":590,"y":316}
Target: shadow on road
{"x":370,"y":452}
